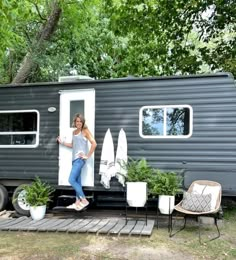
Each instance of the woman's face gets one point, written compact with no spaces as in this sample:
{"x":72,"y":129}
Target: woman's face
{"x":78,"y":123}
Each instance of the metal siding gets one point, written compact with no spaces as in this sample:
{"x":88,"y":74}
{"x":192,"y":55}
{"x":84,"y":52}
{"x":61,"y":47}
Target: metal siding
{"x":208,"y":154}
{"x":25,"y":163}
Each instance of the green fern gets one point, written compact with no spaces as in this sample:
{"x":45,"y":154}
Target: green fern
{"x":138,"y":170}
{"x":165,"y":183}
{"x":38,"y":193}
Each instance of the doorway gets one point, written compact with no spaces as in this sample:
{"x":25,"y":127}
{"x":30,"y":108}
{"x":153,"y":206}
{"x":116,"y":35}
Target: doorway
{"x":72,"y":102}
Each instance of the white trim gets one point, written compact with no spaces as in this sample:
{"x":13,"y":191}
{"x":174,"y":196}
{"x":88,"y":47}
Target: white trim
{"x":65,"y":153}
{"x":22,"y":132}
{"x":164,"y":122}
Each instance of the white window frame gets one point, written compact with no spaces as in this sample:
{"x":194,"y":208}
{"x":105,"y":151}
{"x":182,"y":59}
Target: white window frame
{"x":36,"y":133}
{"x":165,"y":107}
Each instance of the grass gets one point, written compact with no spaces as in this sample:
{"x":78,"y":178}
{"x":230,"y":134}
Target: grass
{"x":33,"y":245}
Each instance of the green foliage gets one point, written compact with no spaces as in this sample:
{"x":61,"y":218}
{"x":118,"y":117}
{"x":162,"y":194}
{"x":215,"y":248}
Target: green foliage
{"x":138,"y":170}
{"x":38,"y":193}
{"x":158,"y":182}
{"x":165,"y":183}
{"x":117,"y":38}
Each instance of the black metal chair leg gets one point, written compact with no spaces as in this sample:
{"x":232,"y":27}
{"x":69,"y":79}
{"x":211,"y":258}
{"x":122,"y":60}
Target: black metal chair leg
{"x":217,"y":228}
{"x":173,"y":225}
{"x":199,"y":230}
{"x":146,"y":213}
{"x":216,"y":224}
{"x":157,"y":214}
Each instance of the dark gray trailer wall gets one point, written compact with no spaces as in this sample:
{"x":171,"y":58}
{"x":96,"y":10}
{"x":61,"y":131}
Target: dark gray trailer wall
{"x":208,"y":154}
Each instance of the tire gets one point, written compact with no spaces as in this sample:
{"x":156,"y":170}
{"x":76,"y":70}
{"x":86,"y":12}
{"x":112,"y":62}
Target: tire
{"x":19,"y":203}
{"x":3,"y":197}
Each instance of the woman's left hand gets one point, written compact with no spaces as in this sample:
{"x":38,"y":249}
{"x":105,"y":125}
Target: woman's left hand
{"x":83,"y":156}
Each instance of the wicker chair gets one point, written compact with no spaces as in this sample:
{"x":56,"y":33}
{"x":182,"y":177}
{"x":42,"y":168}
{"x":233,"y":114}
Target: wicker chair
{"x":212,"y":212}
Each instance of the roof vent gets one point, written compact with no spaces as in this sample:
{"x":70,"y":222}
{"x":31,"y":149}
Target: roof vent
{"x":74,"y":78}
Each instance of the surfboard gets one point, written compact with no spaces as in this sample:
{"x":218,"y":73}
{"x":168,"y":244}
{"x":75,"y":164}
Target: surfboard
{"x":107,"y":164}
{"x":121,"y":157}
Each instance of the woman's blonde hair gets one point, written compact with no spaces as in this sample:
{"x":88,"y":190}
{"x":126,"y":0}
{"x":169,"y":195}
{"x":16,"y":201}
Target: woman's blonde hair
{"x":80,"y":116}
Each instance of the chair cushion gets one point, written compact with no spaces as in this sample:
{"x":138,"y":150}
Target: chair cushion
{"x":206,"y":189}
{"x":197,"y":202}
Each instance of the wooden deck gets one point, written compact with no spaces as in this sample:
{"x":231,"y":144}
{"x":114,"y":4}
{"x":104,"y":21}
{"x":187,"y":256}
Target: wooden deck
{"x":93,"y":225}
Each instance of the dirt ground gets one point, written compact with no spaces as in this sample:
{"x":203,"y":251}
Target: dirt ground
{"x":184,"y":245}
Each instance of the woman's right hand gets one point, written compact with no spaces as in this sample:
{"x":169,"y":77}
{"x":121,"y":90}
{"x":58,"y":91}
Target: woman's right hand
{"x":59,"y":140}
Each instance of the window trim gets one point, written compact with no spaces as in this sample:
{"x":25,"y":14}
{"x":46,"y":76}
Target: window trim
{"x":22,"y":132}
{"x":165,"y":107}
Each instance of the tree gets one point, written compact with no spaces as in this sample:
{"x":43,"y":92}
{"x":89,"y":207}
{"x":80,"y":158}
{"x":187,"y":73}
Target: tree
{"x":28,"y":64}
{"x":41,"y":40}
{"x":159,"y":31}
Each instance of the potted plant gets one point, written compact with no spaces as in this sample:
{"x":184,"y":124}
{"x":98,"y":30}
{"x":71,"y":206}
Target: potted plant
{"x":138,"y":174}
{"x":165,"y":185}
{"x":37,"y":195}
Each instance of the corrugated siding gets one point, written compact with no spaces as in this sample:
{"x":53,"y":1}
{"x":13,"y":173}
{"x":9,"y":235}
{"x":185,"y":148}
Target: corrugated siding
{"x":18,"y":163}
{"x":208,"y":154}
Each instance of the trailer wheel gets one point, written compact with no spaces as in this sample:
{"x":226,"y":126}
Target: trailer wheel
{"x":3,"y":197}
{"x":18,"y":201}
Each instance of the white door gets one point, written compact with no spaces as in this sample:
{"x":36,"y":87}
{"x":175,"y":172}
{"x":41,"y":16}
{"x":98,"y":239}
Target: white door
{"x":72,"y":102}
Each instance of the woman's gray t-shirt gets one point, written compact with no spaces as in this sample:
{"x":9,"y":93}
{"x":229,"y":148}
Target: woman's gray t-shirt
{"x":80,"y":145}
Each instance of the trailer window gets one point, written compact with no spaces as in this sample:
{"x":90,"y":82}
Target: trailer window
{"x":19,"y":128}
{"x":165,"y":121}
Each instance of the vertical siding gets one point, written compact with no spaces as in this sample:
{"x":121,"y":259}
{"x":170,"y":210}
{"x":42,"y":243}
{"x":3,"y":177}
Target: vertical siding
{"x":208,"y":154}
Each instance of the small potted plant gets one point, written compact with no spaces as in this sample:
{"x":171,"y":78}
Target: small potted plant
{"x":38,"y":194}
{"x":138,"y":174}
{"x":165,"y":185}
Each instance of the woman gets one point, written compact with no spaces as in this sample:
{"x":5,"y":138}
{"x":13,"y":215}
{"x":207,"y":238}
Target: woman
{"x":81,"y":136}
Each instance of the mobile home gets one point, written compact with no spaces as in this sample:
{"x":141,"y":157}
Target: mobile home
{"x":178,"y":122}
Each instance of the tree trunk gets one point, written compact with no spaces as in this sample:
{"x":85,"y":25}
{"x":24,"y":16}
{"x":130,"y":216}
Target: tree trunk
{"x":28,"y":64}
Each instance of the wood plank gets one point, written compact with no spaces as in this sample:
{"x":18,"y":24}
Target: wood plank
{"x":44,"y":227}
{"x":6,"y":222}
{"x":110,"y":224}
{"x":20,"y":225}
{"x":54,"y":226}
{"x":65,"y":223}
{"x":116,"y":229}
{"x":91,"y":224}
{"x":99,"y":226}
{"x":127,"y":228}
{"x":138,"y":228}
{"x":147,"y":229}
{"x":81,"y":224}
{"x":37,"y":223}
{"x":29,"y":224}
{"x":70,"y":225}
{"x":12,"y":223}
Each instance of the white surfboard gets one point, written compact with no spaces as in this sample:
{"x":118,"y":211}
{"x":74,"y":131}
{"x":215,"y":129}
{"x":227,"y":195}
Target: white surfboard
{"x":121,"y":157}
{"x":107,"y":165}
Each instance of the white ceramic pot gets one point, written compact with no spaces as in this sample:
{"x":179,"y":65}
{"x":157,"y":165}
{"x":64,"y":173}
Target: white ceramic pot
{"x":38,"y":212}
{"x":136,"y":194}
{"x":166,"y":204}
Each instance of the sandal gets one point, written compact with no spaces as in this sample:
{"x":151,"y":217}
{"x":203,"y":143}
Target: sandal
{"x":81,"y":206}
{"x":72,"y":206}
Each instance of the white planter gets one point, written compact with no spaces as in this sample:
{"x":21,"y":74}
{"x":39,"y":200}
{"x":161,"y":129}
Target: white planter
{"x":136,"y":194}
{"x":166,"y":204}
{"x":38,"y":212}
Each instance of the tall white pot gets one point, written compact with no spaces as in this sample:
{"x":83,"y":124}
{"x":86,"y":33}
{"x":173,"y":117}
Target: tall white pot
{"x":136,"y":194}
{"x":38,"y":212}
{"x":166,"y":204}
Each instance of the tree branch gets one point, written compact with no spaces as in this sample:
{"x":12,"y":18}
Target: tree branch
{"x":28,"y":64}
